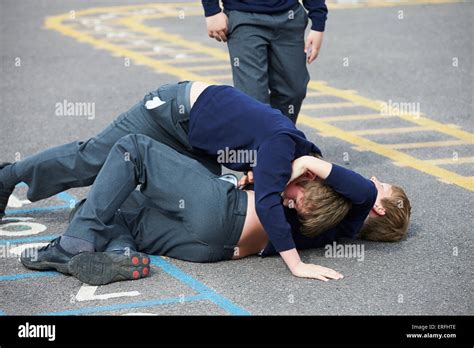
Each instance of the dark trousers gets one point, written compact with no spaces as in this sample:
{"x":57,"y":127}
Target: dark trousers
{"x":77,"y":164}
{"x":182,"y":210}
{"x":267,"y":55}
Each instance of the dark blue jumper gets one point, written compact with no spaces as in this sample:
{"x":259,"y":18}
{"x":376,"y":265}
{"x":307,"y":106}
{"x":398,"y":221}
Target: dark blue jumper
{"x":223,"y":117}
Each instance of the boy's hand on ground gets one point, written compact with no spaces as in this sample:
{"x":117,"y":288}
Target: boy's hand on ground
{"x":246,"y":179}
{"x":217,"y":26}
{"x":313,"y":45}
{"x":307,"y":270}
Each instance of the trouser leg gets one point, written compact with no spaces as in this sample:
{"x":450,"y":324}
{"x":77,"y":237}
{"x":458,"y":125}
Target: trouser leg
{"x":77,"y":164}
{"x":137,"y":159}
{"x":248,"y":43}
{"x":288,"y":74}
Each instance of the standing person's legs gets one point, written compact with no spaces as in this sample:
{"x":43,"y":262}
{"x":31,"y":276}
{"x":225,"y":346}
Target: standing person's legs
{"x":248,"y":41}
{"x":77,"y":164}
{"x":287,"y":71}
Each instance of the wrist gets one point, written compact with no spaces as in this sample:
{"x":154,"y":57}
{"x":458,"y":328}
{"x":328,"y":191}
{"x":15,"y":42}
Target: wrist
{"x":295,"y":268}
{"x":291,"y":258}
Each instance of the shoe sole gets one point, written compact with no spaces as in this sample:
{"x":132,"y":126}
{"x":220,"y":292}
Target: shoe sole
{"x":100,"y":268}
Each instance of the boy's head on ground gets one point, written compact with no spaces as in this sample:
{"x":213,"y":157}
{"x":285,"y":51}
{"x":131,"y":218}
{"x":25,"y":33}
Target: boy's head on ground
{"x":319,"y":207}
{"x":389,"y":218}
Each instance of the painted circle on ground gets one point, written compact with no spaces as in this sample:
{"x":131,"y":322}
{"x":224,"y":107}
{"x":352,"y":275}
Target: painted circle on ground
{"x":23,"y":226}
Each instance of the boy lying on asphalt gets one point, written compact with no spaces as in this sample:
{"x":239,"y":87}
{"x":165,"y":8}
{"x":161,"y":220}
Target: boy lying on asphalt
{"x":200,"y":121}
{"x":184,"y":211}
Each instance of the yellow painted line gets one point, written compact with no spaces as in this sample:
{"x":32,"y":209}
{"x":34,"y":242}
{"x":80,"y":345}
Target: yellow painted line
{"x":451,"y":160}
{"x":394,"y":155}
{"x":209,"y":67}
{"x":161,"y":45}
{"x":55,"y":23}
{"x":327,"y":105}
{"x":377,"y":105}
{"x":399,"y":130}
{"x":428,"y":144}
{"x":219,"y":77}
{"x":135,"y":23}
{"x":384,"y":3}
{"x":153,"y":53}
{"x":356,"y":117}
{"x":135,"y":45}
{"x":314,"y":94}
{"x":188,"y":60}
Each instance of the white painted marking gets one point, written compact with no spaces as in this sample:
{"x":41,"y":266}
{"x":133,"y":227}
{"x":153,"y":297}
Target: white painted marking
{"x":32,"y":227}
{"x":15,"y":202}
{"x":87,"y":293}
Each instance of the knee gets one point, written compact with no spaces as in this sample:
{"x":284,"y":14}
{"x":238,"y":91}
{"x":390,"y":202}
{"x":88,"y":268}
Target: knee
{"x":126,"y":142}
{"x":131,"y":141}
{"x":130,"y":144}
{"x":137,"y":146}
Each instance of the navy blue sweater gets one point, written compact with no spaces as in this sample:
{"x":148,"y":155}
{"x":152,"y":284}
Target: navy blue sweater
{"x":223,"y":117}
{"x":317,"y":9}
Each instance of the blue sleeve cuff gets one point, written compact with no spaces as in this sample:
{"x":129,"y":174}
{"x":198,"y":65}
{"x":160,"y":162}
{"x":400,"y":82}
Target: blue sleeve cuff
{"x":318,"y":12}
{"x":318,"y":24}
{"x":211,"y":7}
{"x":283,"y":244}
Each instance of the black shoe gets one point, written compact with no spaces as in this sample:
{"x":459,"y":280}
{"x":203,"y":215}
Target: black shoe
{"x":99,"y":268}
{"x":48,"y":257}
{"x":76,"y":208}
{"x":5,"y":193}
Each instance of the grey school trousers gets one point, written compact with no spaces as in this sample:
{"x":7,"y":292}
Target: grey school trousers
{"x":267,"y":55}
{"x":77,"y":164}
{"x":182,"y":210}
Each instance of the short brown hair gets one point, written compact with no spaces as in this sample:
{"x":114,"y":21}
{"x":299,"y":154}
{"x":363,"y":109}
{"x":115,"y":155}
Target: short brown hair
{"x":323,"y":208}
{"x":392,"y":226}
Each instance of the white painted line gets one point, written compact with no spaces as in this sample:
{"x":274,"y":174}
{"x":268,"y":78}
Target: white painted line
{"x":87,"y":293}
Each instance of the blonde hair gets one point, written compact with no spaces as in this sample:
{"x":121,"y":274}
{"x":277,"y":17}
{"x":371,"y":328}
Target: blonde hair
{"x":323,"y":208}
{"x":392,"y":226}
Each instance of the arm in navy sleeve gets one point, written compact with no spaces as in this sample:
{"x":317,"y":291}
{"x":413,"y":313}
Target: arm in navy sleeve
{"x":317,"y":11}
{"x":211,"y":7}
{"x":271,"y":174}
{"x":359,"y":190}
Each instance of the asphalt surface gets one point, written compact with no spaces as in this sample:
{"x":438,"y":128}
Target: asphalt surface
{"x":404,"y":60}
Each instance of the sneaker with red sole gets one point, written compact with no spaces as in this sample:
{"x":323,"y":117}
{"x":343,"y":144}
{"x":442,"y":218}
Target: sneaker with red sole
{"x":100,"y":268}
